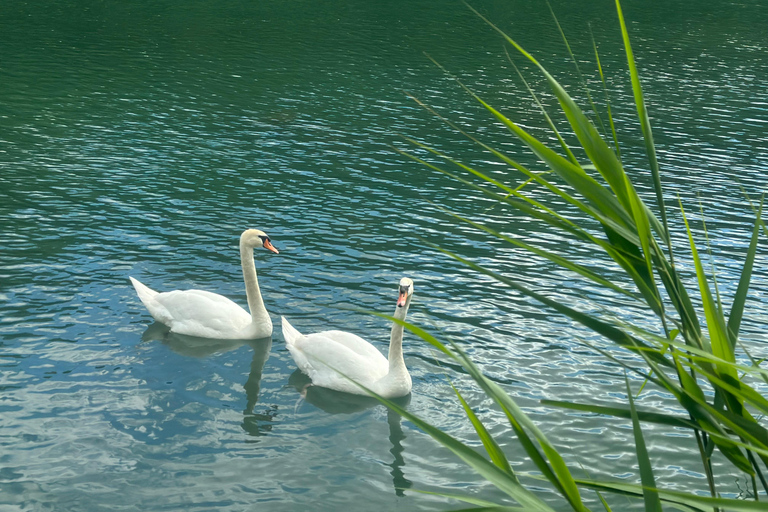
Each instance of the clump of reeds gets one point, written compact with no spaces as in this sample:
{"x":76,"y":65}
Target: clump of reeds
{"x":685,"y":357}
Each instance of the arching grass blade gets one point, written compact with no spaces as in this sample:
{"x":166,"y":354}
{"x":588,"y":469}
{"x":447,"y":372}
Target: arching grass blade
{"x":650,"y":495}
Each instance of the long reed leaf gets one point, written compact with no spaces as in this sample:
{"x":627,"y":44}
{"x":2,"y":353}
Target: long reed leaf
{"x":559,"y":260}
{"x":721,"y":346}
{"x":623,"y":412}
{"x":597,"y":150}
{"x":579,"y":76}
{"x":690,"y":500}
{"x":552,"y":126}
{"x":737,"y":309}
{"x":491,"y":446}
{"x":598,"y":326}
{"x":605,"y":93}
{"x":650,"y":494}
{"x":645,"y":125}
{"x":503,"y":480}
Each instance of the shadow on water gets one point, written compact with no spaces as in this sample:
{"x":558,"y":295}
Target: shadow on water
{"x":255,"y":424}
{"x":336,"y":402}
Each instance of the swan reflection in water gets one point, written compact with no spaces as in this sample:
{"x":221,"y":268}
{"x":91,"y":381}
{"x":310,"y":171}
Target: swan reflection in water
{"x":255,"y":424}
{"x":337,"y":402}
{"x":260,"y":423}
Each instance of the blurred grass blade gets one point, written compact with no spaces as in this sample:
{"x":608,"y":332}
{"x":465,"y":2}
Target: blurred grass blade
{"x":602,"y":500}
{"x":650,"y":495}
{"x":490,"y":444}
{"x":495,"y":508}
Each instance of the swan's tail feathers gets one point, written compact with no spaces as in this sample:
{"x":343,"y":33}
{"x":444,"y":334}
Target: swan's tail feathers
{"x":289,"y":332}
{"x":145,"y":293}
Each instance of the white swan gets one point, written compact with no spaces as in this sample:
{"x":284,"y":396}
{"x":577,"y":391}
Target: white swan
{"x":328,"y":356}
{"x":209,"y":315}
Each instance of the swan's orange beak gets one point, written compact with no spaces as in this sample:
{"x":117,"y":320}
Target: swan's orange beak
{"x":268,"y":245}
{"x":402,"y":297}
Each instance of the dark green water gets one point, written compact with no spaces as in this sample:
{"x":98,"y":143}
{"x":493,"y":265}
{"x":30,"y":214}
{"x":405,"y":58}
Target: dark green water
{"x":140,"y":138}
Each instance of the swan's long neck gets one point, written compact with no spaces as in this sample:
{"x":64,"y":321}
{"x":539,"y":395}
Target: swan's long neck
{"x":396,"y":361}
{"x":255,"y":302}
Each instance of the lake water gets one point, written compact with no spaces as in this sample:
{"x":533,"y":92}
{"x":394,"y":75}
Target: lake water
{"x":140,"y":138}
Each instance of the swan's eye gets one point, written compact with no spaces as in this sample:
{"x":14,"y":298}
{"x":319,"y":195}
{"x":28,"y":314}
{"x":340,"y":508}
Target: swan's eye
{"x":264,"y":238}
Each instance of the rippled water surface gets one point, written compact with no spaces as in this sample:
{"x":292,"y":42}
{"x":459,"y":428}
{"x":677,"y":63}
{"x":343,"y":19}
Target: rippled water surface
{"x":140,"y":138}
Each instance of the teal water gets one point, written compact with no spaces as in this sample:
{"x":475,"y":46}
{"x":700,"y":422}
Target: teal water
{"x":141,"y":138}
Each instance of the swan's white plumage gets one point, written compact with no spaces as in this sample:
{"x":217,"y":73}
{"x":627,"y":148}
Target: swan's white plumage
{"x":205,"y":314}
{"x":338,"y":360}
{"x":319,"y":354}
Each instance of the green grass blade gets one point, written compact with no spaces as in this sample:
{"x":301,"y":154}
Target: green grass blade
{"x":559,"y":260}
{"x":597,"y":150}
{"x":681,"y":301}
{"x":605,"y":93}
{"x":579,"y":76}
{"x":741,"y":390}
{"x":565,"y":481}
{"x":607,"y":330}
{"x":650,"y":495}
{"x":501,"y":156}
{"x":708,"y":360}
{"x":623,"y":412}
{"x":625,"y":259}
{"x":517,"y":418}
{"x":503,"y":480}
{"x":693,"y":501}
{"x":458,"y":497}
{"x":737,"y":309}
{"x":571,"y":173}
{"x":490,"y":444}
{"x":709,"y":418}
{"x":645,"y":125}
{"x":644,"y":233}
{"x":552,"y":126}
{"x":721,"y":346}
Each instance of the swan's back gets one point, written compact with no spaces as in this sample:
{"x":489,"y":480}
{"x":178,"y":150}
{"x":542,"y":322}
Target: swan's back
{"x":331,"y":358}
{"x":195,"y":312}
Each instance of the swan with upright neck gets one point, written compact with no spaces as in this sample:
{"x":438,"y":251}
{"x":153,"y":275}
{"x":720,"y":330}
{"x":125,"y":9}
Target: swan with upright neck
{"x":340,"y":360}
{"x":210,"y":315}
